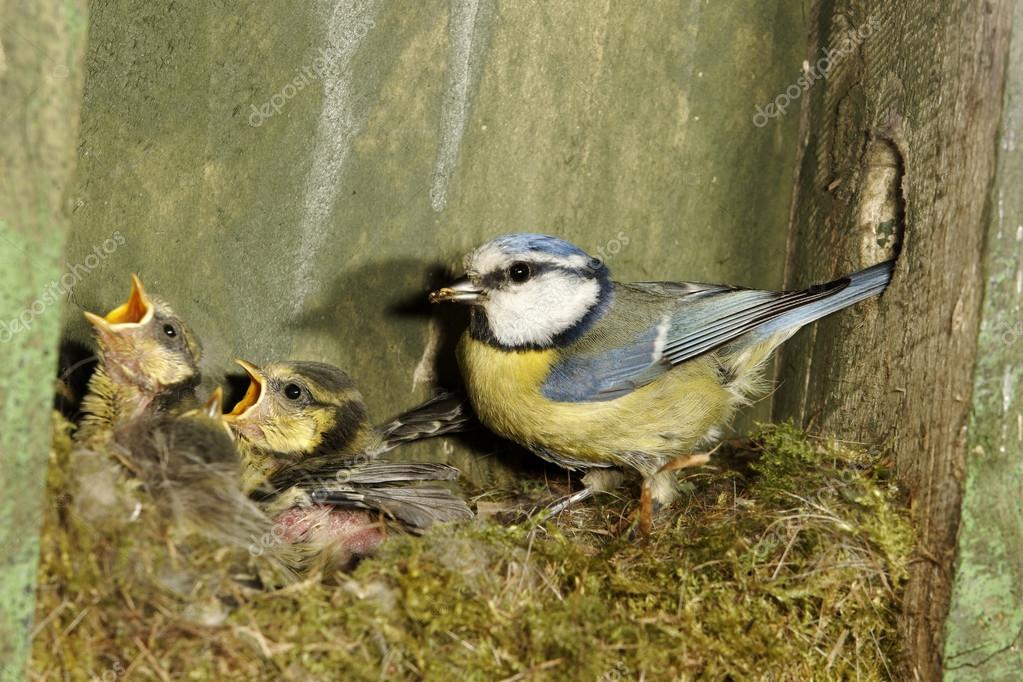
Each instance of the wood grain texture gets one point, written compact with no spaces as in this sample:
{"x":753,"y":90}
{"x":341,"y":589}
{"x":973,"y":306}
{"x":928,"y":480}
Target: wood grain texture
{"x":41,"y":49}
{"x":926,"y":83}
{"x":984,"y":632}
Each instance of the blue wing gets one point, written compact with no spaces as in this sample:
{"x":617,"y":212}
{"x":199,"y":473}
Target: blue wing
{"x":654,"y":326}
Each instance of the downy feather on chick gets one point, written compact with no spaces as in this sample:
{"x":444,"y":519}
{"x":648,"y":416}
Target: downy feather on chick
{"x":174,"y":481}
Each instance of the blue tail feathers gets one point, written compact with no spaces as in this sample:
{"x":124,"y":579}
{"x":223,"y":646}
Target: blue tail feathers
{"x":858,"y":286}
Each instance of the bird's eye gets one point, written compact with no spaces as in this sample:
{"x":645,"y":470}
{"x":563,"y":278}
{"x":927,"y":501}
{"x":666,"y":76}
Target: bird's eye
{"x":169,"y":330}
{"x":519,"y":272}
{"x":293,"y":391}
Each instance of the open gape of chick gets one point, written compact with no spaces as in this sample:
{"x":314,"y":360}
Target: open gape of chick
{"x":296,"y":415}
{"x":311,"y":456}
{"x":148,"y":363}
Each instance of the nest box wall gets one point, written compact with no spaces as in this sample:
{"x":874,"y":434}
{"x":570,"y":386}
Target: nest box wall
{"x":293,"y":176}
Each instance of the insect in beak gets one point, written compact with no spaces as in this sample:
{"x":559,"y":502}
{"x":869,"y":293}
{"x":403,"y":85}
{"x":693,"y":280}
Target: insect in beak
{"x":462,"y":291}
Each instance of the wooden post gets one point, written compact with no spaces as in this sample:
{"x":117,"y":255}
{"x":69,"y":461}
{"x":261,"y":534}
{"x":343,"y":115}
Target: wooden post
{"x":899,"y":146}
{"x":984,"y":639}
{"x":41,"y":48}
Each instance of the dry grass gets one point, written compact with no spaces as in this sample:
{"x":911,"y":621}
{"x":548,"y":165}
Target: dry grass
{"x":784,"y":561}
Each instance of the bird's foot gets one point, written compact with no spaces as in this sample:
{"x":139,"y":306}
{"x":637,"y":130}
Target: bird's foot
{"x":565,"y":502}
{"x":648,"y":502}
{"x":595,"y":481}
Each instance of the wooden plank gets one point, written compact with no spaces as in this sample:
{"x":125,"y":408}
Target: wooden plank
{"x":984,"y":638}
{"x":41,"y":49}
{"x":924,"y":88}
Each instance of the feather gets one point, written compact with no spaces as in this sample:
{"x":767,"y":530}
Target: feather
{"x":445,"y":413}
{"x":364,"y":472}
{"x":679,"y":322}
{"x":419,"y":507}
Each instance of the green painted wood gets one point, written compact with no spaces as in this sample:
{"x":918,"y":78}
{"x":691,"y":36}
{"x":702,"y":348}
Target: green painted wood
{"x":41,"y":48}
{"x":911,"y":113}
{"x":984,"y":632}
{"x":291,"y":176}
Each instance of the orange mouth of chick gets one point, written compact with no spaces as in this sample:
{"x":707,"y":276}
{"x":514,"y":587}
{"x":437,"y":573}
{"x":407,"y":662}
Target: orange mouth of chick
{"x":133,"y":311}
{"x":253,"y":393}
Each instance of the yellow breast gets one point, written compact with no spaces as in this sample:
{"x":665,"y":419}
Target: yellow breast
{"x":665,"y":418}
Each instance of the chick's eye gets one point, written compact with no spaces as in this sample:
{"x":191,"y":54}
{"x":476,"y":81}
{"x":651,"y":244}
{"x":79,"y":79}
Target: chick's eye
{"x":292,"y":392}
{"x":169,"y":330}
{"x":519,"y":272}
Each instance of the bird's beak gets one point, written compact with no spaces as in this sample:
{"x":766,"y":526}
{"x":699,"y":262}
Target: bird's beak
{"x":253,"y":395}
{"x":214,"y":407}
{"x":137,"y":310}
{"x":462,"y":291}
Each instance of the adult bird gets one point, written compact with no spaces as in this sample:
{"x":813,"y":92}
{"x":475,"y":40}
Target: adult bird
{"x":597,"y":375}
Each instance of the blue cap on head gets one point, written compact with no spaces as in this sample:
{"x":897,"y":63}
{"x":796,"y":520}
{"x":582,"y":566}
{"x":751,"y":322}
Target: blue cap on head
{"x":525,"y":241}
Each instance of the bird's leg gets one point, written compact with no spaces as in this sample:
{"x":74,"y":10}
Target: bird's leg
{"x":665,"y":486}
{"x":595,"y":481}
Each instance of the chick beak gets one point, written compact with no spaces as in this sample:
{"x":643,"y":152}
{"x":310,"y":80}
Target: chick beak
{"x":214,"y":407}
{"x":136,"y":311}
{"x":253,"y":395}
{"x":462,"y":291}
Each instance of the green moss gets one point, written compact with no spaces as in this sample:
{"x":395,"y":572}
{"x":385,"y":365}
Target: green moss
{"x":784,"y":562}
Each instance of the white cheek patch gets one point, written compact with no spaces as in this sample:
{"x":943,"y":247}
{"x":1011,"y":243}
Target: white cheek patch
{"x":535,"y":312}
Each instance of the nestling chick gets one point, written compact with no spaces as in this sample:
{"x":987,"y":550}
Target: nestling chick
{"x":305,"y":438}
{"x":307,"y":418}
{"x":297,"y":414}
{"x":188,"y":464}
{"x":148,"y":364}
{"x":182,"y":472}
{"x":597,"y":375}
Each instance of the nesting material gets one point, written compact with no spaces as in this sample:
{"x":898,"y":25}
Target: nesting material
{"x":781,"y":561}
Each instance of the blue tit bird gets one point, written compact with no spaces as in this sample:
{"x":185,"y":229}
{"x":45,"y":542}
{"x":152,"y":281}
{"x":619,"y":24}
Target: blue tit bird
{"x":312,"y":459}
{"x":601,"y":376}
{"x":301,"y":418}
{"x":188,"y":465}
{"x":148,"y":364}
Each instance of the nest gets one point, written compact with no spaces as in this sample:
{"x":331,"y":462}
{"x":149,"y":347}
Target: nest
{"x":784,"y":560}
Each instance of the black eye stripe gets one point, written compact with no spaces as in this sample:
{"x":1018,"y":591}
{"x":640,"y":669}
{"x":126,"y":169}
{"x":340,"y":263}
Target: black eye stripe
{"x":498,"y":278}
